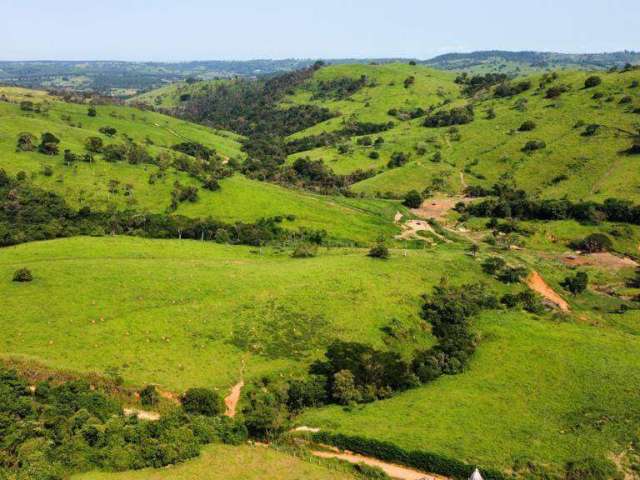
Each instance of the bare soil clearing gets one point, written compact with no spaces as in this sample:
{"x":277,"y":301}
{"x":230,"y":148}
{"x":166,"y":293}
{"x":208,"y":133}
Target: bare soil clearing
{"x":438,"y":207}
{"x":411,"y":228}
{"x":394,"y":471}
{"x":603,"y":259}
{"x":142,"y":414}
{"x":231,"y":400}
{"x":538,"y":285}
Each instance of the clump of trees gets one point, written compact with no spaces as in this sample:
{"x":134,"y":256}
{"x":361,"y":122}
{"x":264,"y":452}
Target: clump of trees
{"x":108,"y":131}
{"x":202,"y":401}
{"x":65,"y":428}
{"x":577,"y":283}
{"x":447,"y":118}
{"x":412,"y":199}
{"x":594,"y":243}
{"x":338,"y":88}
{"x":398,"y":159}
{"x":509,"y":89}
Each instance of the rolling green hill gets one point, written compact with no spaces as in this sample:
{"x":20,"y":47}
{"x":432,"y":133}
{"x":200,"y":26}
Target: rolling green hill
{"x":486,"y":150}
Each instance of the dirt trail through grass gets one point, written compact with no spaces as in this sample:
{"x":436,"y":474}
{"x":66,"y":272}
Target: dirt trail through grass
{"x":394,"y":471}
{"x":538,"y":285}
{"x":231,"y":400}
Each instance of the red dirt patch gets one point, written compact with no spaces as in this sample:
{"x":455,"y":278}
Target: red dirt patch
{"x":538,"y":285}
{"x":437,"y":207}
{"x":603,"y":259}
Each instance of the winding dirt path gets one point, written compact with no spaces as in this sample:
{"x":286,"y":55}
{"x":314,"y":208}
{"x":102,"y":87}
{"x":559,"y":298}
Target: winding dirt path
{"x":394,"y":471}
{"x":538,"y":285}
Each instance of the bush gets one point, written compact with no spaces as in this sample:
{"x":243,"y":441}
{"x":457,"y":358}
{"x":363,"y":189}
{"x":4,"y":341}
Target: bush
{"x":592,"y":81}
{"x":26,"y":142}
{"x":91,"y":111}
{"x":108,"y":131}
{"x":398,"y":159}
{"x":591,"y":130}
{"x":576,"y":284}
{"x":49,"y":144}
{"x":149,"y":395}
{"x":512,"y":274}
{"x":374,"y":155}
{"x":26,"y":106}
{"x":493,"y":265}
{"x":533,"y":145}
{"x":527,"y":126}
{"x":596,"y":242}
{"x":412,"y":199}
{"x":22,"y":275}
{"x":93,"y":144}
{"x":202,"y":401}
{"x":379,"y":250}
{"x":305,"y":250}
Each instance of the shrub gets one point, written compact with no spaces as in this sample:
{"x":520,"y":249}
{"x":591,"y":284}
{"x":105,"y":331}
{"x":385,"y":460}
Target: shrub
{"x":591,"y":130}
{"x":108,"y":131}
{"x":47,"y":170}
{"x":93,"y":144}
{"x":374,"y":155}
{"x":26,"y":106}
{"x":202,"y":401}
{"x":412,"y":199}
{"x":596,"y":242}
{"x":555,"y":92}
{"x":26,"y":142}
{"x":512,"y":274}
{"x":493,"y":265}
{"x":305,"y":250}
{"x":527,"y":126}
{"x":576,"y":284}
{"x":22,"y":275}
{"x":592,"y":81}
{"x":91,"y":111}
{"x":379,"y":250}
{"x":49,"y":144}
{"x":533,"y":145}
{"x":149,"y":395}
{"x":398,"y":159}
{"x":625,"y":100}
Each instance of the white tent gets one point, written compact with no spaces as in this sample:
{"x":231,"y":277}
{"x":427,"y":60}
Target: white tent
{"x":476,"y":475}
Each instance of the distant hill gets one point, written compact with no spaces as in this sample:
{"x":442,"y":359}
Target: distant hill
{"x":526,"y":61}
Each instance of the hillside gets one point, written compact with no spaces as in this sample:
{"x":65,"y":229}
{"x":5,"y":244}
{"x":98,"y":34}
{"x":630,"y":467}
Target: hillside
{"x":102,"y":185}
{"x":486,"y":150}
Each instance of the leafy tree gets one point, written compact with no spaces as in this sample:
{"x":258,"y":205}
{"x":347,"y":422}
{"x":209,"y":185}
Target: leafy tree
{"x":412,"y":199}
{"x":592,"y":81}
{"x":202,"y":401}
{"x":344,"y":388}
{"x":374,"y":155}
{"x":93,"y":144}
{"x":596,"y":242}
{"x":91,"y":111}
{"x":108,"y":131}
{"x":26,"y":106}
{"x":22,"y":275}
{"x":576,"y":284}
{"x":493,"y":265}
{"x":49,"y":144}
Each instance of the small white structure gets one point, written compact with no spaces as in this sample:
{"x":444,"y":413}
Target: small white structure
{"x":476,"y":475}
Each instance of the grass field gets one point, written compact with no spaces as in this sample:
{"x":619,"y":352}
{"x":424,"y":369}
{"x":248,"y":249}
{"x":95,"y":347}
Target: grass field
{"x":184,"y":313}
{"x":221,"y":462}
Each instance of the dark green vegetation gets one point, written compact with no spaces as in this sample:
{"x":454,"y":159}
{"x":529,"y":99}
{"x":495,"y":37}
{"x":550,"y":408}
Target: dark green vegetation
{"x":56,"y":429}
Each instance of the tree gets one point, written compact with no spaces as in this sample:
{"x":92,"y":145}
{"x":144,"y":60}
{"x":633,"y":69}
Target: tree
{"x":379,"y":250}
{"x":91,"y":111}
{"x":474,"y":249}
{"x":592,"y":81}
{"x":26,"y":142}
{"x":344,"y":388}
{"x":576,"y":284}
{"x":93,"y":144}
{"x":22,"y":275}
{"x":108,"y":131}
{"x":149,"y":396}
{"x":412,"y":199}
{"x":49,"y":144}
{"x":596,"y":242}
{"x":493,"y":265}
{"x":202,"y":401}
{"x":26,"y":106}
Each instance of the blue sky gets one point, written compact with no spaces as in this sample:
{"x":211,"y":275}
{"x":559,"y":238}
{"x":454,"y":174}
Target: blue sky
{"x":244,"y":29}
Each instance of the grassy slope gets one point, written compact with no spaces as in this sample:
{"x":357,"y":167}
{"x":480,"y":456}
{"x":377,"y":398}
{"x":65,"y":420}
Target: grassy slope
{"x":165,"y":311}
{"x":538,"y":390}
{"x":169,"y":95}
{"x":595,"y":167}
{"x":239,"y":199}
{"x":220,"y":462}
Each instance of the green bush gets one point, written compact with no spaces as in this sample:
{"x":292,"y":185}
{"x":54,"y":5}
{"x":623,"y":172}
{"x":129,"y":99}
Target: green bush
{"x":576,"y":284}
{"x":527,"y":126}
{"x":91,"y":111}
{"x":22,"y":275}
{"x":596,"y":242}
{"x":379,"y":250}
{"x":305,"y":250}
{"x":412,"y":199}
{"x":202,"y":401}
{"x":592,"y":81}
{"x":533,"y":145}
{"x":149,"y":395}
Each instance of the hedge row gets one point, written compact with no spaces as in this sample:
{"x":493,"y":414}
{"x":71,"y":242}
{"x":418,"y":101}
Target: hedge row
{"x":424,"y":461}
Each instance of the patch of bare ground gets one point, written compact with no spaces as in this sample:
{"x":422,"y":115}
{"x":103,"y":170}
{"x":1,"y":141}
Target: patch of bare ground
{"x":438,"y":207}
{"x":411,"y":228}
{"x":142,"y":414}
{"x":538,"y":285}
{"x":602,"y":259}
{"x":231,"y":400}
